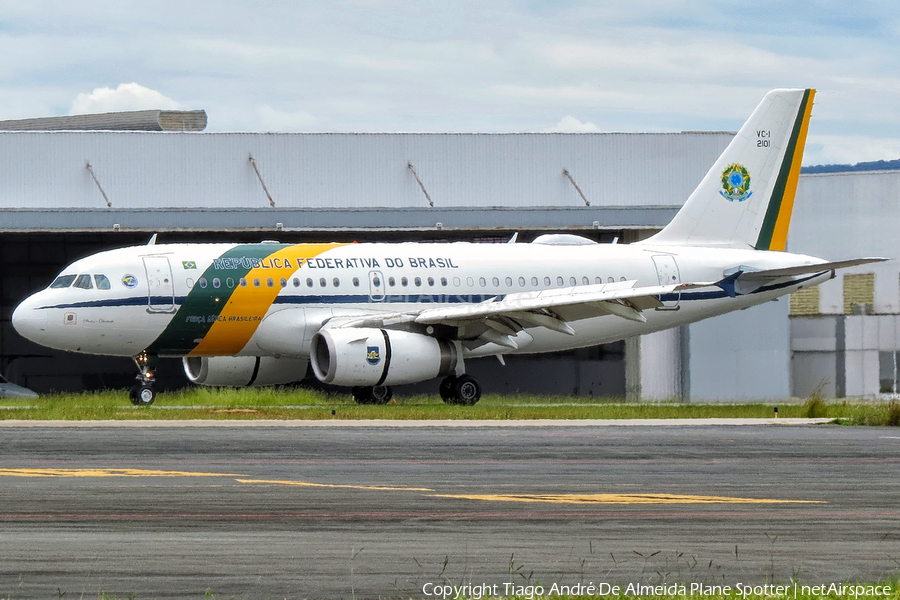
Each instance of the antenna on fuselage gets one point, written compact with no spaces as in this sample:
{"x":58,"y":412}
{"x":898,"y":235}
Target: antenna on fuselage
{"x":152,"y":241}
{"x":513,"y":239}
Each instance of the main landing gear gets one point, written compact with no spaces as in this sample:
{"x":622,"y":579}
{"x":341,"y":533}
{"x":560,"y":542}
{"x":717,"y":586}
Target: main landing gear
{"x":377,"y":394}
{"x":143,"y":394}
{"x":463,"y":390}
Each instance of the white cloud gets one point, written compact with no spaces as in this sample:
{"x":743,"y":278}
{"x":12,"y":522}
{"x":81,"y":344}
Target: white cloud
{"x":849,"y":149}
{"x":569,"y":124}
{"x":128,"y":96}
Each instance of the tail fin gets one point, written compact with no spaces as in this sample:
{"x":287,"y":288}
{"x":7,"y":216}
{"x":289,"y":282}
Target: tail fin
{"x":747,"y":197}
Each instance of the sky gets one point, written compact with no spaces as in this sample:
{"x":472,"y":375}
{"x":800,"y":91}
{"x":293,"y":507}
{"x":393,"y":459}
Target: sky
{"x":463,"y":66}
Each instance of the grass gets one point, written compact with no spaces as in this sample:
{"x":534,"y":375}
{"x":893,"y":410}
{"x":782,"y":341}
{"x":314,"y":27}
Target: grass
{"x":297,"y":403}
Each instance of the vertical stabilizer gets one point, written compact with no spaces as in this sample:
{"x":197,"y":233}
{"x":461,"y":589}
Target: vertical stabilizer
{"x":746,"y":199}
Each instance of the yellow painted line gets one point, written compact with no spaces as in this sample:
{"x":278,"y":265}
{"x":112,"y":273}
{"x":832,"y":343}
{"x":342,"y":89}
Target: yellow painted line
{"x":334,"y":485}
{"x":783,"y":221}
{"x":227,"y":337}
{"x":104,"y":473}
{"x":621,"y":499}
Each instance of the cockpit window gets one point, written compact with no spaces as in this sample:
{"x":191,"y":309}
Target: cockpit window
{"x":102,"y":282}
{"x":84,"y":282}
{"x":63,"y":281}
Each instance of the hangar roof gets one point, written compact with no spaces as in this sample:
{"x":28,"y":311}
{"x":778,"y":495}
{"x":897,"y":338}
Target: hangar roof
{"x":221,"y":176}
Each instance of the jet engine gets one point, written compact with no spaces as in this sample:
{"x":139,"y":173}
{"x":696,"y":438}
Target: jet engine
{"x":244,"y":371}
{"x":370,"y":357}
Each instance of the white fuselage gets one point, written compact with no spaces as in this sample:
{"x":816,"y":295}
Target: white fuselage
{"x":210,"y":299}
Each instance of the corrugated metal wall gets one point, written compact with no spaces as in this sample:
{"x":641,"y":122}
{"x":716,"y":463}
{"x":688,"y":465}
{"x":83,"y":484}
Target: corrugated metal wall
{"x":200,"y":170}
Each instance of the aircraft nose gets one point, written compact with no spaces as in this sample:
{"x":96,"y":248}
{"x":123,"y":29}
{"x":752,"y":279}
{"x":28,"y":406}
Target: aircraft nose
{"x":29,"y":321}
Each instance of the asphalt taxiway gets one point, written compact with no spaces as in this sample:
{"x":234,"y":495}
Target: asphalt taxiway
{"x":350,"y":511}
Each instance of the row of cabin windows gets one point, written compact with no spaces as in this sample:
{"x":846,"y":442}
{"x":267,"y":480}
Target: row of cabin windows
{"x":84,"y":282}
{"x":392,"y":282}
{"x":102,"y":282}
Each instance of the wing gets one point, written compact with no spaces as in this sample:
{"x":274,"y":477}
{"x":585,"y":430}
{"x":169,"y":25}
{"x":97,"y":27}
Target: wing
{"x":499,"y":318}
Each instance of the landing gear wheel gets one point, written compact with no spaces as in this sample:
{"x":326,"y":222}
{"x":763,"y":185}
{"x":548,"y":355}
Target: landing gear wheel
{"x":446,"y":389}
{"x":466,"y":390}
{"x":379,"y":394}
{"x":142,"y":395}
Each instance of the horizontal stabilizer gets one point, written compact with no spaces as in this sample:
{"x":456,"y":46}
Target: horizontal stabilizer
{"x":806,"y":269}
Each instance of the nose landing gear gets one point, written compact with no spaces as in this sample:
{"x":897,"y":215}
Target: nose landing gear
{"x":143,"y":394}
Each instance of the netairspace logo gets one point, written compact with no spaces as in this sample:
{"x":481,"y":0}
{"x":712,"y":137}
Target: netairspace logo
{"x":473,"y":591}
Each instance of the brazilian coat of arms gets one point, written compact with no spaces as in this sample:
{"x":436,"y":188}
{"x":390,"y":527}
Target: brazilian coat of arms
{"x":736,"y":183}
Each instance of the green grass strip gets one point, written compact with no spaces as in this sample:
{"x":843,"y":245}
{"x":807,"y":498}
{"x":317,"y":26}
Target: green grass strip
{"x":297,"y":403}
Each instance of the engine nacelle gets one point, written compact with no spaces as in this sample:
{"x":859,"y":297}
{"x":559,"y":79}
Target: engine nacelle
{"x":244,"y":371}
{"x":366,"y":357}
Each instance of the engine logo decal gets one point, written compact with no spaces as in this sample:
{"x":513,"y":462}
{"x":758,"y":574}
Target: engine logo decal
{"x":373,"y":355}
{"x":129,"y":281}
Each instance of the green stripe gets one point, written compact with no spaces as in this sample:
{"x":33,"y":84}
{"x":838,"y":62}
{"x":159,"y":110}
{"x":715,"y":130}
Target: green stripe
{"x":768,"y":226}
{"x":200,"y":309}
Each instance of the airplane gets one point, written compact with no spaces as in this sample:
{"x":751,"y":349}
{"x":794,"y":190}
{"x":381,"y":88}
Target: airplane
{"x":370,"y":316}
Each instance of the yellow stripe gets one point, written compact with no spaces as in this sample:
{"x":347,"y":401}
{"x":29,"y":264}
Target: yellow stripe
{"x":780,"y":233}
{"x":246,"y":308}
{"x":335,"y":485}
{"x":104,"y":473}
{"x":621,"y":499}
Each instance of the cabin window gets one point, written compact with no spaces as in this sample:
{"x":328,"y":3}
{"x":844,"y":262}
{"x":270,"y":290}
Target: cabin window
{"x":444,"y":281}
{"x":404,"y":281}
{"x":547,"y":281}
{"x":376,"y":282}
{"x":598,"y":279}
{"x":456,"y":281}
{"x":336,"y":282}
{"x":392,"y":282}
{"x":610,"y":279}
{"x":243,"y":282}
{"x":431,"y":281}
{"x":585,"y":280}
{"x":621,"y":279}
{"x":560,"y":280}
{"x":573,"y":281}
{"x":84,"y":282}
{"x":189,"y":282}
{"x":356,"y":282}
{"x":496,"y":282}
{"x":63,"y":281}
{"x":309,"y":282}
{"x":470,"y":282}
{"x":534,"y":281}
{"x":482,"y":282}
{"x":229,"y":282}
{"x":270,"y":282}
{"x":509,"y":281}
{"x":202,"y":282}
{"x":283,"y":282}
{"x":255,"y":282}
{"x":521,"y":282}
{"x":418,"y":281}
{"x":102,"y":282}
{"x":296,"y":282}
{"x":322,"y":282}
{"x":217,"y":283}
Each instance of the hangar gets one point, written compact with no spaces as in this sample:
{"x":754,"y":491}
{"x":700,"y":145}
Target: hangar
{"x":73,"y":186}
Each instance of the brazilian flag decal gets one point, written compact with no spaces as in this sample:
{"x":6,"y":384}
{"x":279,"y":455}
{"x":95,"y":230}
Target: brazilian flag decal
{"x":188,"y":264}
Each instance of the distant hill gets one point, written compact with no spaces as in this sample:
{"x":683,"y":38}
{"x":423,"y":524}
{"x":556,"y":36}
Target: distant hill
{"x":878,"y":165}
